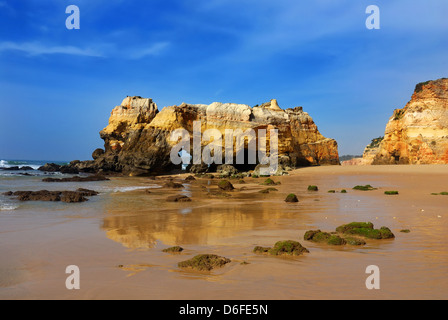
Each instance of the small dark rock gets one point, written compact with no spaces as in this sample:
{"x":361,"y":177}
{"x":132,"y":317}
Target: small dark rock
{"x":68,"y":170}
{"x":204,"y":262}
{"x":291,"y":198}
{"x":172,"y":184}
{"x":26,"y":168}
{"x":178,"y":198}
{"x":50,"y":167}
{"x":15,"y":168}
{"x":175,"y":249}
{"x":225,"y":185}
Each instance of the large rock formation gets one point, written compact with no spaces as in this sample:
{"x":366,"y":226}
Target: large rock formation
{"x":418,"y":133}
{"x":137,"y":139}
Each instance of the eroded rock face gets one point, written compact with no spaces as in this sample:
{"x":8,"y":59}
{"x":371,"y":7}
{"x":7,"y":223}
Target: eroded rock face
{"x":368,"y":156}
{"x":418,"y":133}
{"x":137,"y":139}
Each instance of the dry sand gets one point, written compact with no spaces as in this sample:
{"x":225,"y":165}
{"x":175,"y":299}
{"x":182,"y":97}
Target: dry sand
{"x":117,"y":240}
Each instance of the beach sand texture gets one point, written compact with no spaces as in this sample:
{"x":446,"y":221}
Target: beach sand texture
{"x":117,"y":238}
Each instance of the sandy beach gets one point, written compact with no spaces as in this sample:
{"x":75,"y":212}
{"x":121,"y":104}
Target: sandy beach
{"x":116,"y":238}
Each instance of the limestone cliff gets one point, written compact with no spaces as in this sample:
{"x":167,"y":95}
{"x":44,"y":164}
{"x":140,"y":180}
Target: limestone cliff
{"x":418,"y":133}
{"x":368,"y":156}
{"x":137,"y":139}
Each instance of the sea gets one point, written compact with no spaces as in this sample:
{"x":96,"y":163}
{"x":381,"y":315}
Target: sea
{"x":31,"y":180}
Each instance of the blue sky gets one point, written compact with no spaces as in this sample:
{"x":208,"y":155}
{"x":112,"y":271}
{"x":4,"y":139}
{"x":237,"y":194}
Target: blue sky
{"x":58,"y":86}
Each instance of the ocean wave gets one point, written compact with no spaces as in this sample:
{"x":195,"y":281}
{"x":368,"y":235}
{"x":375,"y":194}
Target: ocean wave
{"x":19,"y":163}
{"x":8,"y":206}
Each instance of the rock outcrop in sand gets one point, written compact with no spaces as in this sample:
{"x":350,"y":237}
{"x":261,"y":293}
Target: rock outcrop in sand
{"x":418,"y":133}
{"x":137,"y":139}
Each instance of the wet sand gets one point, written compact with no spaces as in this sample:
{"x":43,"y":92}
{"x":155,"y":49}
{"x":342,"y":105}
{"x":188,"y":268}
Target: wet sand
{"x":116,"y":239}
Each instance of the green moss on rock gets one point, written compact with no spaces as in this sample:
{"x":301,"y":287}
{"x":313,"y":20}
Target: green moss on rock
{"x":225,"y":185}
{"x":365,"y":229}
{"x":323,"y":237}
{"x":336,"y":240}
{"x":204,"y":262}
{"x":354,"y":241}
{"x":354,"y":225}
{"x":291,"y":198}
{"x":268,"y":190}
{"x":313,"y":188}
{"x":386,"y":233}
{"x":259,"y":249}
{"x":270,"y":182}
{"x":367,"y":187}
{"x":444,"y":193}
{"x":390,"y":193}
{"x":288,"y":247}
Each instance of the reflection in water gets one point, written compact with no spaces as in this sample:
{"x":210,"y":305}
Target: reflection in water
{"x":412,"y":265}
{"x":195,"y":225}
{"x":138,"y":221}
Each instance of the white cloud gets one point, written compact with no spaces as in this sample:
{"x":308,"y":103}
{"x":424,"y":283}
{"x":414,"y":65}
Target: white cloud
{"x":154,"y":50}
{"x":36,"y":48}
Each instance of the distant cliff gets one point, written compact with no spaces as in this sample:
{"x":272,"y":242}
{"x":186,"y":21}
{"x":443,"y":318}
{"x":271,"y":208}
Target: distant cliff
{"x":136,"y":141}
{"x":369,"y":154}
{"x":418,"y":133}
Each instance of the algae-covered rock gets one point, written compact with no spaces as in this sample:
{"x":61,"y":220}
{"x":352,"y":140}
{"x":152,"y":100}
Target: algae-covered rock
{"x":175,"y":249}
{"x":354,"y":241}
{"x":270,"y":182}
{"x":316,"y":236}
{"x":225,"y":185}
{"x":365,"y":229}
{"x":291,"y":198}
{"x":204,"y":262}
{"x":405,"y":231}
{"x":323,"y":237}
{"x":288,"y":247}
{"x":367,"y":187}
{"x":354,"y":225}
{"x":259,"y":249}
{"x":313,"y":188}
{"x":336,"y":240}
{"x":386,"y":233}
{"x":391,"y":193}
